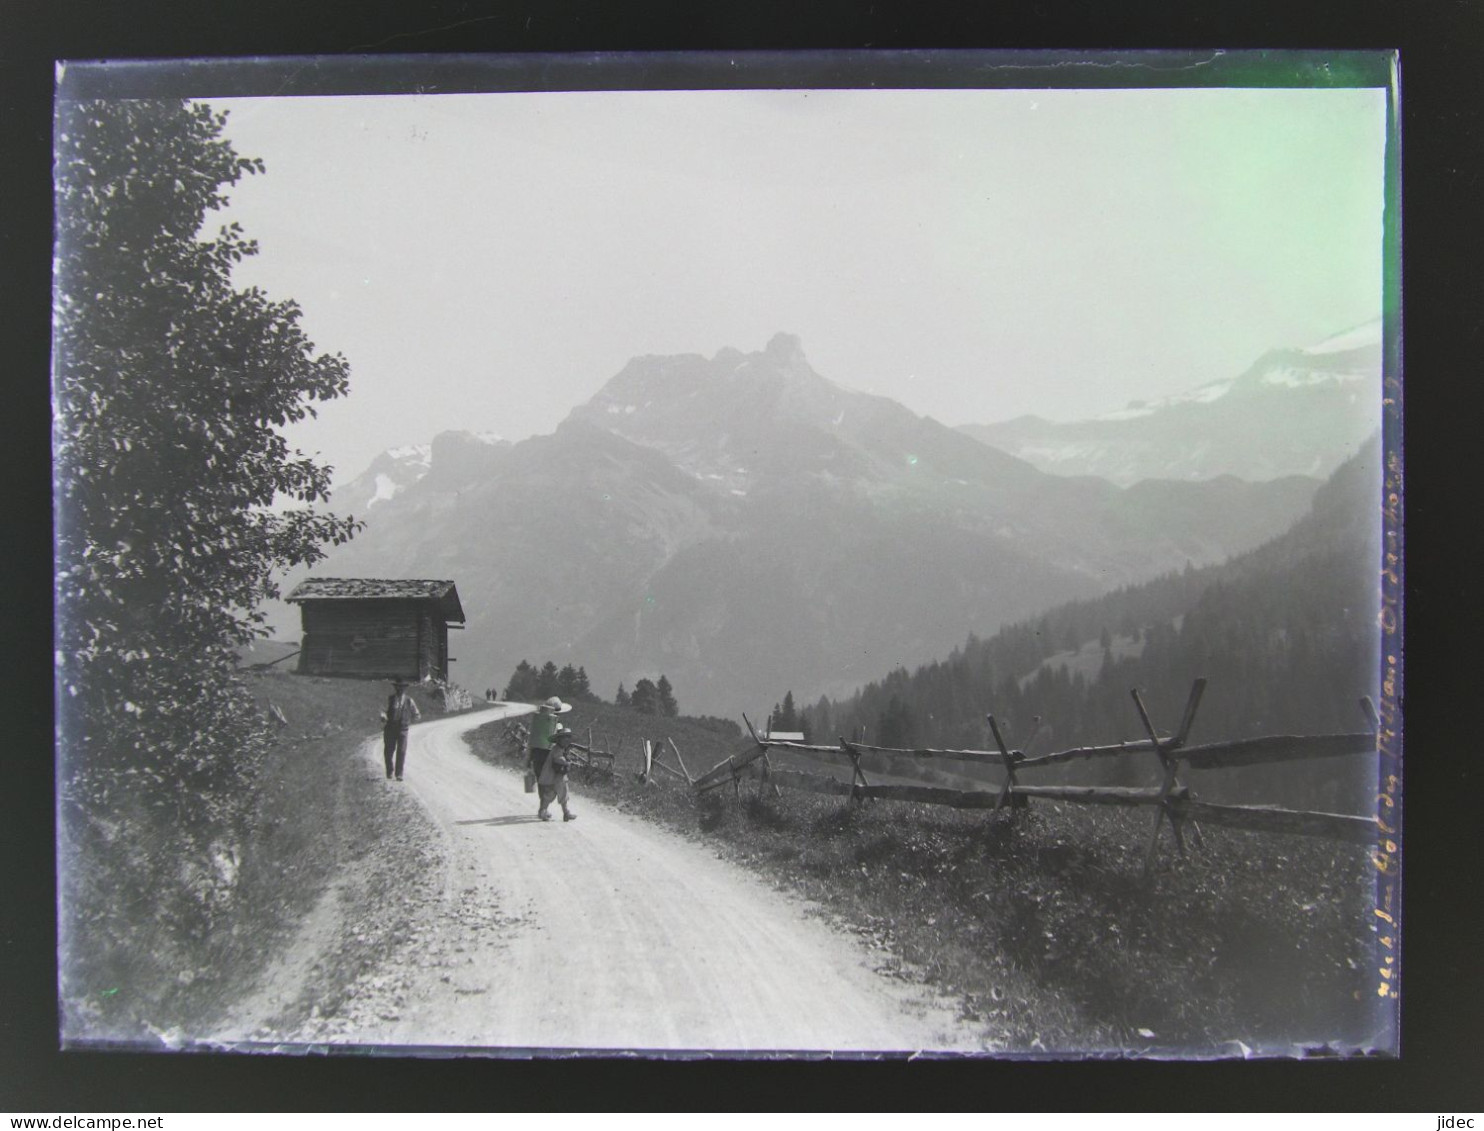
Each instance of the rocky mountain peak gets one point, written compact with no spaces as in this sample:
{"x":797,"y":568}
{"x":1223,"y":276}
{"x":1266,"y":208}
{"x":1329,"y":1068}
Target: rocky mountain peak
{"x":786,"y":349}
{"x":745,"y":421}
{"x":715,"y":416}
{"x":761,"y":377}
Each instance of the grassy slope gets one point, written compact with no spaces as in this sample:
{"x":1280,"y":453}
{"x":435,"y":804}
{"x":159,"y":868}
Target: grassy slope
{"x":316,"y":810}
{"x":1039,"y":919}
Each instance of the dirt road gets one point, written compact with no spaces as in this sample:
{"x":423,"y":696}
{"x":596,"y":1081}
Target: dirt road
{"x":605,"y":933}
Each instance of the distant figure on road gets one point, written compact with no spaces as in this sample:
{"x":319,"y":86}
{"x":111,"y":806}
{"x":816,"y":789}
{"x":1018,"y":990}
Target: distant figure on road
{"x":544,"y":729}
{"x":401,"y":712}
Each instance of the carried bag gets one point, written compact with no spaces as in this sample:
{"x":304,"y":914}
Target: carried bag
{"x":530,"y":782}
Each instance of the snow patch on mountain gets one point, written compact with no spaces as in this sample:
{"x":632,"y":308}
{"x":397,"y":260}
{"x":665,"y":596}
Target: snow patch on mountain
{"x":1132,"y":412}
{"x":1061,"y":453}
{"x":413,"y":455}
{"x":386,"y":489}
{"x":1292,"y":377}
{"x":1205,"y":394}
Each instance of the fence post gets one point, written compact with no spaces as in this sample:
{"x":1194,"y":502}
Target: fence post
{"x":1169,"y":765}
{"x":680,"y":760}
{"x":1197,"y":689}
{"x":1187,"y":720}
{"x":857,"y":774}
{"x":753,"y":732}
{"x":1007,"y":791}
{"x":736,"y":781}
{"x":767,"y":762}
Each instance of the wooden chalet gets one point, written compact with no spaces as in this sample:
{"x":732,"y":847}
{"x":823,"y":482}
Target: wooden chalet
{"x":369,"y":628}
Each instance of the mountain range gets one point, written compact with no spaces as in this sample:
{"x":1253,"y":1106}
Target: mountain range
{"x":1294,"y":412}
{"x":747,"y":526}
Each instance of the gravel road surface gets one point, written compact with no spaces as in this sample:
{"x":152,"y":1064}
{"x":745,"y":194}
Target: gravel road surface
{"x":605,"y":933}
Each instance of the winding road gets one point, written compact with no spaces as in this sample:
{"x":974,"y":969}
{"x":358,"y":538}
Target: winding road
{"x":610,"y":933}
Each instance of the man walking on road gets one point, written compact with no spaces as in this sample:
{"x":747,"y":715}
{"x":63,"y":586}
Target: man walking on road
{"x":544,"y":729}
{"x":401,"y":713}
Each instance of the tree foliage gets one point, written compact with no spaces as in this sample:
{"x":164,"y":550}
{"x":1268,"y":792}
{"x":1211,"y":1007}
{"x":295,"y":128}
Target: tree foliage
{"x":529,"y":683}
{"x":651,"y":698}
{"x":645,"y":697}
{"x":894,"y":726}
{"x":522,"y":684}
{"x":785,"y":717}
{"x":170,"y":389}
{"x":573,"y":686}
{"x":546,"y":680}
{"x":665,"y":696}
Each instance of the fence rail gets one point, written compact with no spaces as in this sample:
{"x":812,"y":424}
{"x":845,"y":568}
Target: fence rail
{"x":1276,"y":748}
{"x":593,"y":757}
{"x":1172,"y":801}
{"x":1265,"y":818}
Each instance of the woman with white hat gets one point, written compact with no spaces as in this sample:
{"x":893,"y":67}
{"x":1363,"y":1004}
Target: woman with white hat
{"x":544,"y":728}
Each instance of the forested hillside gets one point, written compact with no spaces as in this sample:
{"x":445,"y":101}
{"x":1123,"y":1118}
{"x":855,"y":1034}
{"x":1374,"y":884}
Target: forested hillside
{"x":1286,"y":635}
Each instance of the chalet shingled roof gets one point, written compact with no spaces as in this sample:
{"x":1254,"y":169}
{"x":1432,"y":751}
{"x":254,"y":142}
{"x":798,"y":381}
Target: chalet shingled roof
{"x":381,"y":589}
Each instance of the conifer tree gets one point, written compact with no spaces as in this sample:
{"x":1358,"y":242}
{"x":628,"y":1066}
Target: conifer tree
{"x":789,"y":719}
{"x":547,"y":681}
{"x":518,"y":685}
{"x":665,"y":697}
{"x":894,"y":727}
{"x":645,"y":698}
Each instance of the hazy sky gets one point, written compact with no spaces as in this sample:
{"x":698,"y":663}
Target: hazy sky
{"x":487,"y":262}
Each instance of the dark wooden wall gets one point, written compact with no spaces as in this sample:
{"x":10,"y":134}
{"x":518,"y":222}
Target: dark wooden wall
{"x":374,"y":639}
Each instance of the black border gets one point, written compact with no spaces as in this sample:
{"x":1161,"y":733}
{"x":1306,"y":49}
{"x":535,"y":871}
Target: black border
{"x":814,"y":69}
{"x":1439,"y":43}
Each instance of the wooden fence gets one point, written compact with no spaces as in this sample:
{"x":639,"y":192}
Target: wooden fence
{"x":592,"y":758}
{"x":1172,"y":801}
